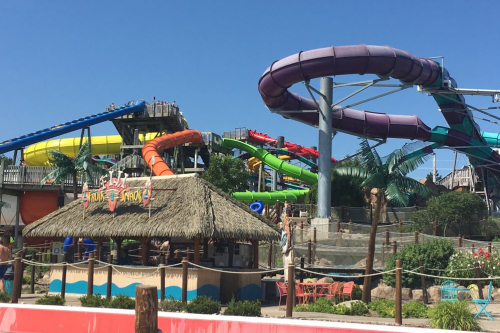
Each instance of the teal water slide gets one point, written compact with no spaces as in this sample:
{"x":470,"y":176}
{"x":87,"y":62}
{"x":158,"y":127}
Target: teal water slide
{"x":276,"y":164}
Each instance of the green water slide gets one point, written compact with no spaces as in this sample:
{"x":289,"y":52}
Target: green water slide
{"x":278,"y":165}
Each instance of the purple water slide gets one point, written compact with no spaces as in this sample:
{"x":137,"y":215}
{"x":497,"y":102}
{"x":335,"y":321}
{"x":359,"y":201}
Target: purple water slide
{"x":358,"y":59}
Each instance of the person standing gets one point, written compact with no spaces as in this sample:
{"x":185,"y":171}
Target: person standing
{"x":5,"y":257}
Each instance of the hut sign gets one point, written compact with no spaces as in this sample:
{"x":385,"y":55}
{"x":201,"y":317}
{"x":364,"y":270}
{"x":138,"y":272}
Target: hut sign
{"x":115,"y":190}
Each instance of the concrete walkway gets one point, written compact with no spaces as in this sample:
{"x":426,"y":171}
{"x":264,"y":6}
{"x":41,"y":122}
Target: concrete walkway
{"x":273,"y":311}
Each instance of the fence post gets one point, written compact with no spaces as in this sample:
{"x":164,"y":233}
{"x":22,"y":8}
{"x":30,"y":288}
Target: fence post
{"x":473,"y":248}
{"x":416,"y":237}
{"x":18,"y":277}
{"x":162,"y":277}
{"x":383,"y":254}
{"x":435,"y":228}
{"x":63,"y":278}
{"x":394,"y":247}
{"x":459,"y":240}
{"x":184,"y":279}
{"x":146,"y":309}
{"x":338,"y":225}
{"x":479,"y":283}
{"x":301,"y":274}
{"x":422,"y":280}
{"x":90,"y":280}
{"x":109,"y":285}
{"x":33,"y":273}
{"x":489,"y":248}
{"x":387,"y":236}
{"x":397,"y":310}
{"x":40,"y":260}
{"x":314,"y":245}
{"x":309,"y":252}
{"x":301,"y":231}
{"x":290,"y":290}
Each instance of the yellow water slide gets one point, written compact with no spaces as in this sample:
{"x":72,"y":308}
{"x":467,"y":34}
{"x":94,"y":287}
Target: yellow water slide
{"x":36,"y":154}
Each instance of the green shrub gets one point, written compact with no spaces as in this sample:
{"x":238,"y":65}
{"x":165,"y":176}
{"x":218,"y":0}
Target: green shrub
{"x":203,"y":304}
{"x":453,"y":316}
{"x":51,"y":300}
{"x":4,"y":297}
{"x":415,"y":310}
{"x":357,"y":292}
{"x":324,"y":305}
{"x":359,"y":309}
{"x":121,"y":301}
{"x":301,"y":308}
{"x":384,"y":307}
{"x":434,"y":254}
{"x":172,"y":305}
{"x":94,"y":301}
{"x":243,"y":308}
{"x":26,"y":279}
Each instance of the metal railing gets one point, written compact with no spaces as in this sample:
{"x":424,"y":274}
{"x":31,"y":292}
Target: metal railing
{"x":33,"y":175}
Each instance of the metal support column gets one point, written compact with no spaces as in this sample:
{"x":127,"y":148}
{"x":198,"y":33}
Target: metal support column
{"x":325,"y":148}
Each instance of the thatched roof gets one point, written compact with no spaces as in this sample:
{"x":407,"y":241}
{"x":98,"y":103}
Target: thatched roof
{"x":195,"y":208}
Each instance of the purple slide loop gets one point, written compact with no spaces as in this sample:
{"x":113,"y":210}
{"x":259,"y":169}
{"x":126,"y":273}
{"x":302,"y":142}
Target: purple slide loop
{"x":344,"y":60}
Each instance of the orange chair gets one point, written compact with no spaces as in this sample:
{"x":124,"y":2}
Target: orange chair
{"x":299,"y":293}
{"x":333,"y":291}
{"x":282,"y":289}
{"x":346,"y":290}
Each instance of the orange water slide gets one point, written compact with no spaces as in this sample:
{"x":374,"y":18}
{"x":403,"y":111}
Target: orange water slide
{"x":151,"y":151}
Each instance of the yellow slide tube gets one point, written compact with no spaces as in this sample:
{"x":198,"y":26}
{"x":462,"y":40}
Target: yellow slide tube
{"x":37,"y":154}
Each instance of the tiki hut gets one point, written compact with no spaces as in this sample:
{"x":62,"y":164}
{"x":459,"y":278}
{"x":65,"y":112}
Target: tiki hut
{"x":181,"y":206}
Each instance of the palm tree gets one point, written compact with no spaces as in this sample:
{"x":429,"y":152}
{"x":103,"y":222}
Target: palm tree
{"x":389,"y":177}
{"x":67,"y":166}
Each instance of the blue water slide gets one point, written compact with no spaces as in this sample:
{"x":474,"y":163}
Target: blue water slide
{"x":68,"y":127}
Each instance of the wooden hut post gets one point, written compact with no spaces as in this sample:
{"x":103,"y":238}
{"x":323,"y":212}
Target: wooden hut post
{"x":145,"y":250}
{"x":197,"y":250}
{"x":98,"y":248}
{"x":255,"y":245}
{"x":230,"y":254}
{"x":205,"y":248}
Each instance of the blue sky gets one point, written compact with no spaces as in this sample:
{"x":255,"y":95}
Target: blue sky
{"x":62,"y":60}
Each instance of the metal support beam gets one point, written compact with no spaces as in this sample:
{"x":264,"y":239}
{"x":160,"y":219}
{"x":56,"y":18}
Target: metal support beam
{"x":325,"y":148}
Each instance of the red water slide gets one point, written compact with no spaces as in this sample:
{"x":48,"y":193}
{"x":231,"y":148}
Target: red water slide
{"x":294,"y":148}
{"x":151,"y":151}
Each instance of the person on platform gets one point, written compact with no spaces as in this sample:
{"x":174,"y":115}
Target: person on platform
{"x":5,"y":257}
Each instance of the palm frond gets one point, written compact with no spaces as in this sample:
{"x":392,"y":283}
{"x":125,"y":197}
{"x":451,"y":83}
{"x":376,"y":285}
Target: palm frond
{"x":351,"y":171}
{"x":375,"y":180}
{"x":4,"y":204}
{"x":371,"y":159}
{"x":394,"y":194}
{"x":412,"y":185}
{"x":84,"y":154}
